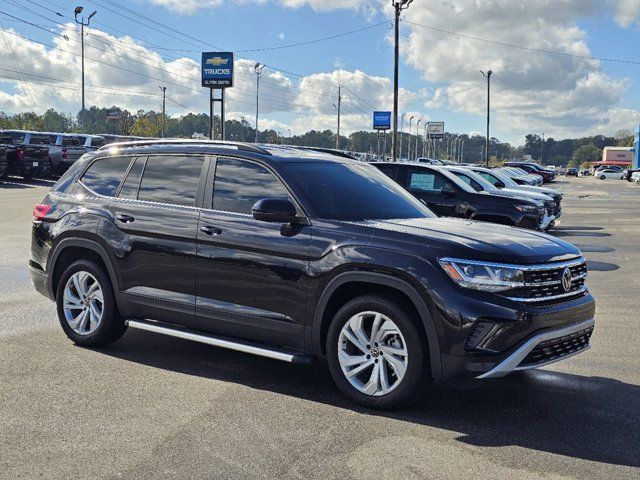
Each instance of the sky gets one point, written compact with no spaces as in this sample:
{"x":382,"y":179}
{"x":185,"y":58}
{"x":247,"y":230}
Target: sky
{"x":563,"y":68}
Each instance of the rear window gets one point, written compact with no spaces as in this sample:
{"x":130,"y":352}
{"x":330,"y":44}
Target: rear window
{"x":70,"y":141}
{"x":6,"y":139}
{"x":104,"y":175}
{"x":98,"y":142}
{"x":40,"y":140}
{"x":18,"y":137}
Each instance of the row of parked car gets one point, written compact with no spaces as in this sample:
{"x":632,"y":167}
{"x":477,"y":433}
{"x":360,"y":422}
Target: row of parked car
{"x":507,"y":195}
{"x":41,"y":154}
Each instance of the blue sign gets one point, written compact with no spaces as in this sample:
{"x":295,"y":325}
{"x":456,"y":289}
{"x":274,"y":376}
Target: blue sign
{"x":217,"y":69}
{"x":381,"y":120}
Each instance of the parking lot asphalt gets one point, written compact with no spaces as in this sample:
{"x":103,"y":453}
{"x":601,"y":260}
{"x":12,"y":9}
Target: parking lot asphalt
{"x":149,"y":406}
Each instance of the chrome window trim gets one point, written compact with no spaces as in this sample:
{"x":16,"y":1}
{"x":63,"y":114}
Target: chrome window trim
{"x":527,"y":268}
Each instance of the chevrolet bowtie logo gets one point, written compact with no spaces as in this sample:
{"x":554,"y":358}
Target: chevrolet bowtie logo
{"x":217,"y":61}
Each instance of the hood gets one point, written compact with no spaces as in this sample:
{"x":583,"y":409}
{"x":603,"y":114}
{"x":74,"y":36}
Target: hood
{"x":546,"y":191}
{"x":527,"y":194}
{"x":452,"y":237}
{"x":520,"y":196}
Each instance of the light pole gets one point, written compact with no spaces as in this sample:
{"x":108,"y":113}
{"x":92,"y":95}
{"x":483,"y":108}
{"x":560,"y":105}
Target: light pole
{"x":401,"y":133}
{"x":409,"y":141}
{"x":81,"y":22}
{"x":417,"y":136}
{"x":462,"y":153}
{"x":258,"y":68}
{"x":398,"y":6}
{"x":164,"y":94}
{"x":488,"y":77}
{"x":424,"y":141}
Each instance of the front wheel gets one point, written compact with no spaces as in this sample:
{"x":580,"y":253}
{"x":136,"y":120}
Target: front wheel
{"x":86,"y":305}
{"x":376,"y":354}
{"x":602,"y":177}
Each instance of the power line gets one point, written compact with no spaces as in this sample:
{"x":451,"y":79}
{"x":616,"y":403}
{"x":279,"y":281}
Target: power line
{"x":521,"y":47}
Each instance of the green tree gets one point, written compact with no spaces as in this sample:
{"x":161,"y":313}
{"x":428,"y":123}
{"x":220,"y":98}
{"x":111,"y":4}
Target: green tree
{"x":586,"y":153}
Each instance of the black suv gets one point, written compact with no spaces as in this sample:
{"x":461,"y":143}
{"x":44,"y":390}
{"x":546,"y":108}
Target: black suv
{"x":448,"y":196}
{"x":294,"y":255}
{"x":27,"y":153}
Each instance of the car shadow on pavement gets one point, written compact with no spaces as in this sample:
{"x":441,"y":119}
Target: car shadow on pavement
{"x":594,"y":266}
{"x":590,"y":418}
{"x":578,"y":233}
{"x":585,"y":228}
{"x":594,"y":248}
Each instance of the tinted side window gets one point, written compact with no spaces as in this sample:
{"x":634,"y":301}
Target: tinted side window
{"x":426,"y":181}
{"x":240,"y":184}
{"x":104,"y":175}
{"x":490,"y":178}
{"x":469,"y":181}
{"x":171,"y":179}
{"x":390,"y":170}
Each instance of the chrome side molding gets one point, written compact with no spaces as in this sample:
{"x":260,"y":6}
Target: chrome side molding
{"x":218,"y":342}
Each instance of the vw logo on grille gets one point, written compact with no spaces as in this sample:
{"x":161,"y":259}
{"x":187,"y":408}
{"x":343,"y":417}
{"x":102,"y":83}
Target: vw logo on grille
{"x":566,"y":279}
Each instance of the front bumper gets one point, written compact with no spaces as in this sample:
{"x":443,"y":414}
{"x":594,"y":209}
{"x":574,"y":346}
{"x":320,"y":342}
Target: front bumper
{"x":554,"y":345}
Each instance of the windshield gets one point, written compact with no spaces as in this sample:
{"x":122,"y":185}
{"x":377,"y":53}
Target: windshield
{"x":457,"y":180}
{"x":352,"y":192}
{"x":469,"y":177}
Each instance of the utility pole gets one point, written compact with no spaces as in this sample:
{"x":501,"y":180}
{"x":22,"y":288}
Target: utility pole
{"x":462,"y":152}
{"x":398,"y":6}
{"x":417,"y":136}
{"x":339,"y":102}
{"x":488,"y":77}
{"x":81,"y":22}
{"x":401,"y":133}
{"x":164,"y":94}
{"x":258,"y":69}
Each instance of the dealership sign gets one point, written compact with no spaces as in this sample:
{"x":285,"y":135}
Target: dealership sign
{"x":217,"y":69}
{"x":381,"y":120}
{"x":435,"y":130}
{"x":114,"y":115}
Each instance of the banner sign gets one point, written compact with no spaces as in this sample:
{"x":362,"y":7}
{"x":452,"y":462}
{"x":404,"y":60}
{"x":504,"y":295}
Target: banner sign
{"x":435,"y":130}
{"x":381,"y":120}
{"x":217,"y":69}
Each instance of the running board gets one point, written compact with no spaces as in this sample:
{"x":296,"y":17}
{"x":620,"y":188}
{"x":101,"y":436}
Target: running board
{"x":219,"y":342}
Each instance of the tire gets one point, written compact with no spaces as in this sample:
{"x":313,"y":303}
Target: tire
{"x":603,"y":177}
{"x":27,"y":175}
{"x":359,"y":315}
{"x":102,"y":323}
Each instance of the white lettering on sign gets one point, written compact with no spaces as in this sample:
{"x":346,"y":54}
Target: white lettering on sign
{"x":217,"y":71}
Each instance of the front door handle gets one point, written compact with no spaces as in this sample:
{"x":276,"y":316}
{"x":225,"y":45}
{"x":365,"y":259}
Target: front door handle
{"x":124,"y":218}
{"x":210,"y":230}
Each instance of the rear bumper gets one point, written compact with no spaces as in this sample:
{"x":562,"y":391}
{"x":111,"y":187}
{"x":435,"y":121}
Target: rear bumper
{"x":554,"y":345}
{"x":39,"y":279}
{"x":22,"y":168}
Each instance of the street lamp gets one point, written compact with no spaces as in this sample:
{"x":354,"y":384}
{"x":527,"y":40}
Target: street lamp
{"x":417,"y":136}
{"x":398,"y":6}
{"x":488,"y":77}
{"x":409,"y":142}
{"x":401,"y":132}
{"x":258,"y":69}
{"x":81,"y":22}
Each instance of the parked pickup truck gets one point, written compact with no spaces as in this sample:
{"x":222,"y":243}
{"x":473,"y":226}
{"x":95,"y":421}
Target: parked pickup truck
{"x":27,"y":154}
{"x":5,"y":141}
{"x":92,"y":142}
{"x":64,"y":150}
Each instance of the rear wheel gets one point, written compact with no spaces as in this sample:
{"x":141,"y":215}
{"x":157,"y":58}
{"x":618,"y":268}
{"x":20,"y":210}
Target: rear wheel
{"x":602,"y":177}
{"x":376,"y":354}
{"x":86,"y":306}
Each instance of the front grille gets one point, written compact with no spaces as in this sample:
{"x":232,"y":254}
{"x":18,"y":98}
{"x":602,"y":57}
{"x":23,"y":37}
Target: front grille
{"x":557,"y":348}
{"x":545,"y":284}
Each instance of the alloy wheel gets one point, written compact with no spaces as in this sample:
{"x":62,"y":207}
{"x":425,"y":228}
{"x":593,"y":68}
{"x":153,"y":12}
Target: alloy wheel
{"x":83,"y":303}
{"x":372,"y":353}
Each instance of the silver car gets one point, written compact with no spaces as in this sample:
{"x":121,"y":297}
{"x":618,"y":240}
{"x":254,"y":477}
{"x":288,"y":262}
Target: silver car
{"x":65,"y":149}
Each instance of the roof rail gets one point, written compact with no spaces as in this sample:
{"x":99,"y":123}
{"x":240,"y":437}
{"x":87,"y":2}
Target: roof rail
{"x":247,"y":147}
{"x":330,"y":151}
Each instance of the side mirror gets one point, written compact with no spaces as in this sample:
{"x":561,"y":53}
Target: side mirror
{"x":448,"y":191}
{"x":274,"y":210}
{"x":500,"y":184}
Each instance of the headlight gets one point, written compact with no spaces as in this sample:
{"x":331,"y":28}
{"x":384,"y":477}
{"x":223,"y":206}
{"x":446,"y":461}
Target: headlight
{"x":488,"y":277}
{"x":526,"y":208}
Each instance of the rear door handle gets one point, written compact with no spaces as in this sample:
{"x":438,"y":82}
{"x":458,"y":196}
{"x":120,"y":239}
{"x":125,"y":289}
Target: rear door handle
{"x":124,"y":218}
{"x":210,"y":230}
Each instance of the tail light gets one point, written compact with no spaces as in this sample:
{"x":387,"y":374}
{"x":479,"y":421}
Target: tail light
{"x":40,"y":212}
{"x":64,"y":153}
{"x":20,"y":154}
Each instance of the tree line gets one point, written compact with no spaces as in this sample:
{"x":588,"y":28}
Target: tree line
{"x":568,"y":152}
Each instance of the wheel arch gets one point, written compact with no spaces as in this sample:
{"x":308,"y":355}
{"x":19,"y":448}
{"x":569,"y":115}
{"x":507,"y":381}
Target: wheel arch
{"x":387,"y":283}
{"x":68,"y":245}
